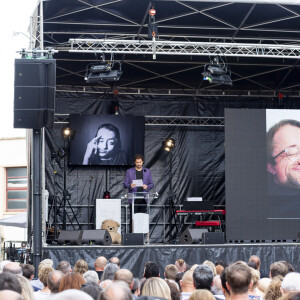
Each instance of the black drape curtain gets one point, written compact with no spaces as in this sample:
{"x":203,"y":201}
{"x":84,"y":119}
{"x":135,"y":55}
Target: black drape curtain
{"x":198,"y":157}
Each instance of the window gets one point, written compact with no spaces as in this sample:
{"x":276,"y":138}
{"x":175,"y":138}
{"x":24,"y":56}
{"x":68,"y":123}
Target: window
{"x":16,"y":188}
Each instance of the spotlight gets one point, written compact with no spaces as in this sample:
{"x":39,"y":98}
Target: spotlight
{"x":68,"y":133}
{"x":102,"y":72}
{"x":169,"y":144}
{"x":217,"y":73}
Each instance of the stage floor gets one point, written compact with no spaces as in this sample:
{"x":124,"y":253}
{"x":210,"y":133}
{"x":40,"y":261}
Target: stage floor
{"x":135,"y":257}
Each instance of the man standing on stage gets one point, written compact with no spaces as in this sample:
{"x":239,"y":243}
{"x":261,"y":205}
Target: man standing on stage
{"x":135,"y":173}
{"x":138,"y":172}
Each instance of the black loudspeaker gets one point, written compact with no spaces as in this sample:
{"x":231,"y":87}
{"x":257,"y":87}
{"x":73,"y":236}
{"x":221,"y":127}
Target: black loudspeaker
{"x":34,"y":95}
{"x":191,"y":236}
{"x":133,"y":239}
{"x":213,"y":238}
{"x":72,"y":237}
{"x":96,"y":237}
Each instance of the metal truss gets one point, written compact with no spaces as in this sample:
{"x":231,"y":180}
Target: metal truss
{"x":157,"y":47}
{"x":180,"y":121}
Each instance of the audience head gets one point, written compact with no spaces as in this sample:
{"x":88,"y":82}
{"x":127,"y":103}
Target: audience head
{"x":2,"y":264}
{"x":54,"y":279}
{"x":116,"y":291}
{"x":175,"y":294}
{"x":71,"y":281}
{"x":11,"y":295}
{"x":109,"y":271}
{"x":187,"y":282}
{"x":273,"y":291}
{"x":255,"y":275}
{"x":105,"y":283}
{"x":93,"y":290}
{"x":238,"y":277}
{"x":71,"y":294}
{"x":91,"y":277}
{"x":278,"y":268}
{"x":43,"y":275}
{"x":219,"y":269}
{"x":178,"y":279}
{"x":262,"y":286}
{"x":100,"y":263}
{"x":181,"y":265}
{"x":151,"y":270}
{"x":171,"y":272}
{"x":291,"y":296}
{"x":124,"y":275}
{"x":255,"y":259}
{"x":203,"y":277}
{"x":64,"y":266}
{"x":115,"y":260}
{"x":136,"y":288}
{"x":202,"y":295}
{"x":9,"y":281}
{"x":156,"y":287}
{"x":211,"y":265}
{"x":290,"y":283}
{"x":288,"y":265}
{"x":81,"y":266}
{"x":46,"y":263}
{"x":27,"y":290}
{"x":224,"y":286}
{"x":28,"y":271}
{"x":217,"y":286}
{"x":13,"y":268}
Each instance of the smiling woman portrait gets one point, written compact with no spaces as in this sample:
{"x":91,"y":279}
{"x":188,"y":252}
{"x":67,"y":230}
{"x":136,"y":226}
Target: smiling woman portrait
{"x":105,"y":147}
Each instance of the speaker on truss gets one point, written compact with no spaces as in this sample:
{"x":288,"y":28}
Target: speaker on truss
{"x":34,"y":93}
{"x":191,"y":236}
{"x":70,"y":237}
{"x":96,"y":237}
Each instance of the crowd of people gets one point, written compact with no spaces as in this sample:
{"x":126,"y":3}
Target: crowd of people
{"x":109,"y":281}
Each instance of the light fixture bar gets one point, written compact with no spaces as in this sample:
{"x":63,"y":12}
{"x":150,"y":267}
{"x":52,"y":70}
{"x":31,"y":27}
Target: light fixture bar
{"x":183,"y":48}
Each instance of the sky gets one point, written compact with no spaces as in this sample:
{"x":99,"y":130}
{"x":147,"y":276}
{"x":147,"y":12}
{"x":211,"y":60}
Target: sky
{"x":15,"y":17}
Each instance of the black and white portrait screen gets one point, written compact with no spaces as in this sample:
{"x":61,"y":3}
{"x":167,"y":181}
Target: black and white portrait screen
{"x":106,"y":139}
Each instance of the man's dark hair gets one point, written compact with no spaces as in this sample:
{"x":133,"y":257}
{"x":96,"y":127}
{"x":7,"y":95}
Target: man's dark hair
{"x":9,"y":281}
{"x":238,"y":277}
{"x":92,"y":290}
{"x":138,"y":156}
{"x":28,"y":270}
{"x":223,"y":281}
{"x":136,"y":285}
{"x":151,"y":270}
{"x":273,"y":130}
{"x":252,"y":265}
{"x":289,"y":266}
{"x":278,"y":268}
{"x":64,"y":266}
{"x":54,"y":279}
{"x":203,"y":277}
{"x":221,"y":263}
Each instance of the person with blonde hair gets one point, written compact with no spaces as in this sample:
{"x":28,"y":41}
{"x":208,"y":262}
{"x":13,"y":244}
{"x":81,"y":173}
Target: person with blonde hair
{"x":81,"y":266}
{"x":273,"y":291}
{"x":255,"y":275}
{"x":27,"y":290}
{"x":43,"y":276}
{"x":211,"y":265}
{"x":156,"y":287}
{"x":202,"y":295}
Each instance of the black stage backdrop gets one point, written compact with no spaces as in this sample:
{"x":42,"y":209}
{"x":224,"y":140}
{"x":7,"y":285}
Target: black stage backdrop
{"x":198,"y":160}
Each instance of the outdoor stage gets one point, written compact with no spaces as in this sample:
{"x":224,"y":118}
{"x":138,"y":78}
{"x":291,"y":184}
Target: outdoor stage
{"x":135,"y":257}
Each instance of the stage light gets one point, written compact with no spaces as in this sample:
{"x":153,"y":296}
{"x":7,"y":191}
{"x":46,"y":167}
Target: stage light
{"x":68,"y":133}
{"x":169,"y":144}
{"x":102,"y":72}
{"x":217,"y":73}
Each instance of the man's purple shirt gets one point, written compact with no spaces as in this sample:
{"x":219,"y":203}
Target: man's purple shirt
{"x":131,"y":175}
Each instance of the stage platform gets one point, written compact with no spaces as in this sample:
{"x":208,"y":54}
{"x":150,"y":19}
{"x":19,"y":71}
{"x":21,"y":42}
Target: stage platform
{"x":135,"y":257}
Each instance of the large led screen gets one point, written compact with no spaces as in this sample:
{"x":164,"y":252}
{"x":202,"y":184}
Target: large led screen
{"x":262,"y":171}
{"x":106,"y":139}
